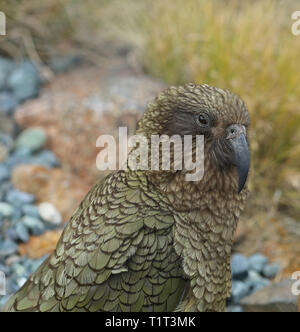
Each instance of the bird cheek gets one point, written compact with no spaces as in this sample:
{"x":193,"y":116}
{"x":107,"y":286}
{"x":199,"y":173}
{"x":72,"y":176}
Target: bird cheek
{"x":217,"y":132}
{"x":222,"y":153}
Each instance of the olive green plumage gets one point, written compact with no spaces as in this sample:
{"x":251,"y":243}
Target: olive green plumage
{"x":150,"y":241}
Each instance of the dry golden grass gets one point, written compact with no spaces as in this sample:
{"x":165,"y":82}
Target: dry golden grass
{"x":33,"y":27}
{"x":248,"y":48}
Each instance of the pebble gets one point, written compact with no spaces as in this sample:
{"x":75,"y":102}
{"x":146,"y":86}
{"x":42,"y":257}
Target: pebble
{"x":19,"y":270}
{"x":270,"y":271}
{"x":5,"y":269}
{"x":31,"y":211}
{"x":19,"y":198}
{"x":11,"y":286}
{"x":4,"y":172}
{"x":7,"y":248}
{"x":257,"y":262}
{"x":6,"y":66}
{"x":7,"y":141}
{"x":260,"y":285}
{"x":34,"y":225}
{"x":45,"y":158}
{"x":16,"y":216}
{"x":235,"y":308}
{"x":239,"y":267}
{"x":6,"y":209}
{"x":255,"y":281}
{"x":8,"y":103}
{"x":22,"y":232}
{"x":24,"y":81}
{"x":4,"y":188}
{"x":19,"y":156}
{"x":239,"y":291}
{"x":11,"y":260}
{"x":11,"y":234}
{"x":32,"y":139}
{"x":21,"y":281}
{"x":3,"y":300}
{"x":49,"y":213}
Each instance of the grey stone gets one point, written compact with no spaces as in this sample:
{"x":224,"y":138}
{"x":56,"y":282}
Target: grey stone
{"x":1,"y":221}
{"x":22,"y":232}
{"x":3,"y":299}
{"x":24,"y":81}
{"x":6,"y":66}
{"x":5,"y":269}
{"x":19,"y":156}
{"x":21,"y":281}
{"x":6,"y":209}
{"x":8,"y":103}
{"x":234,"y":308}
{"x":4,"y":172}
{"x":16,"y":216}
{"x":12,"y":286}
{"x":19,"y":198}
{"x":7,"y":141}
{"x":34,"y":225}
{"x":4,"y":188}
{"x":50,"y":214}
{"x":270,"y":271}
{"x":239,"y":267}
{"x":19,"y":270}
{"x":11,"y":260}
{"x":32,"y":139}
{"x":22,"y":152}
{"x":7,"y":248}
{"x":31,"y":211}
{"x":239,"y":291}
{"x":260,"y":285}
{"x":256,"y":281}
{"x":277,"y":297}
{"x":11,"y":234}
{"x":257,"y":262}
{"x":45,"y":158}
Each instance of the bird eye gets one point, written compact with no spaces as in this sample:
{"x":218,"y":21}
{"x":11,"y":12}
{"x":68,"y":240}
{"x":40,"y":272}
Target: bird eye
{"x":203,"y":120}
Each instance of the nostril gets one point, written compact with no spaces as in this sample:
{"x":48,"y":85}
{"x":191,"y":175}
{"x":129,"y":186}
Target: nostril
{"x":234,"y":130}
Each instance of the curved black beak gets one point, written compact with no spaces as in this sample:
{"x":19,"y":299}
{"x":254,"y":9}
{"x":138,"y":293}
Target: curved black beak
{"x":238,"y":141}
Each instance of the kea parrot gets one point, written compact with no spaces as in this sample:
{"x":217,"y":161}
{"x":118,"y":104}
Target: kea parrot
{"x":149,"y":240}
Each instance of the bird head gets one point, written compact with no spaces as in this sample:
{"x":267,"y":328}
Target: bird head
{"x":217,"y":114}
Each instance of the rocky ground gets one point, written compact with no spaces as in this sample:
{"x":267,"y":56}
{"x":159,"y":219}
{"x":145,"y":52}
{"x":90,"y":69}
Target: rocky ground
{"x":47,"y":163}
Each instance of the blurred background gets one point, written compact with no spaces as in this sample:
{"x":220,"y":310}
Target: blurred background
{"x":71,"y":70}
